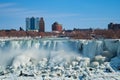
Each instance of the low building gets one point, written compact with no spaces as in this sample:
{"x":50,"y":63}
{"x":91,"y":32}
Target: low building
{"x":113,"y":26}
{"x":56,"y":27}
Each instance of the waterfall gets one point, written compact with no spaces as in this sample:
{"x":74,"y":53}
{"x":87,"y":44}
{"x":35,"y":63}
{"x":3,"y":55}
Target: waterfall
{"x":37,"y":48}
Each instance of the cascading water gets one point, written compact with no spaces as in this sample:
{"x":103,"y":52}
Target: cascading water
{"x":36,"y":47}
{"x":86,"y":48}
{"x":58,"y":51}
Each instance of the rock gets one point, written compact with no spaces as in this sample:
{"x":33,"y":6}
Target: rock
{"x":100,"y":59}
{"x":95,"y":64}
{"x":107,"y":54}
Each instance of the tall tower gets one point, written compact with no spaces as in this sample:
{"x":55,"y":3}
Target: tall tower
{"x":37,"y":20}
{"x":42,"y":25}
{"x":27,"y":24}
{"x":32,"y":23}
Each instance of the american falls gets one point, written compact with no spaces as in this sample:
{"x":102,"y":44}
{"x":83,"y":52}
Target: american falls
{"x":59,"y":59}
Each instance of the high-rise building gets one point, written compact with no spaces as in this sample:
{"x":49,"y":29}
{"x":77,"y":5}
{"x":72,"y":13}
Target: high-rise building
{"x":35,"y":24}
{"x":41,"y":25}
{"x":27,"y":24}
{"x":56,"y":27}
{"x":32,"y":23}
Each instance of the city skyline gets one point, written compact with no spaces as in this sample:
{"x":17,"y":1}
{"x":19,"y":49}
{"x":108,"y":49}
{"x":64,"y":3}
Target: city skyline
{"x":70,"y":13}
{"x":35,"y":24}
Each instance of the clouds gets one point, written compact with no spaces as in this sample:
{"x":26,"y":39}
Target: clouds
{"x":12,"y":9}
{"x":12,"y":15}
{"x":99,"y":19}
{"x":5,"y":5}
{"x":8,"y":9}
{"x":62,"y":15}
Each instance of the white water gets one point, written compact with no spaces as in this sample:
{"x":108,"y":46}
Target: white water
{"x":41,"y":54}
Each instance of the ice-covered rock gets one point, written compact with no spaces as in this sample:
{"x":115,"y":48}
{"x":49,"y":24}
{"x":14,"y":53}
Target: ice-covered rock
{"x":108,"y":67}
{"x":95,"y":64}
{"x":20,"y":60}
{"x":74,"y":63}
{"x":84,"y":62}
{"x":78,"y":58}
{"x":107,"y":54}
{"x":100,"y":59}
{"x":44,"y":59}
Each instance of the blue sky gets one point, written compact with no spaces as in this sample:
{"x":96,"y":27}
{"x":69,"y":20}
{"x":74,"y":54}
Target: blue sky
{"x":70,"y":13}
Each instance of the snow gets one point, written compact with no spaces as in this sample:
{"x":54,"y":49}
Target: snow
{"x":59,"y":59}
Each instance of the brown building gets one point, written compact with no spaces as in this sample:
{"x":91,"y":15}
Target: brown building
{"x":41,"y":25}
{"x":114,"y":26}
{"x":56,"y":27}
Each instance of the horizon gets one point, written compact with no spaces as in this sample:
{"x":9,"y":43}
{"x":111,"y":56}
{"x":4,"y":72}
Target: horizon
{"x":71,"y":14}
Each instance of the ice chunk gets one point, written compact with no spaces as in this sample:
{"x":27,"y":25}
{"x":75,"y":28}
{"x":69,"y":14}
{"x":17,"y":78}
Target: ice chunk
{"x":20,"y":60}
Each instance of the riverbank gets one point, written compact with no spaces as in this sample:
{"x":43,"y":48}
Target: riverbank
{"x":96,"y":34}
